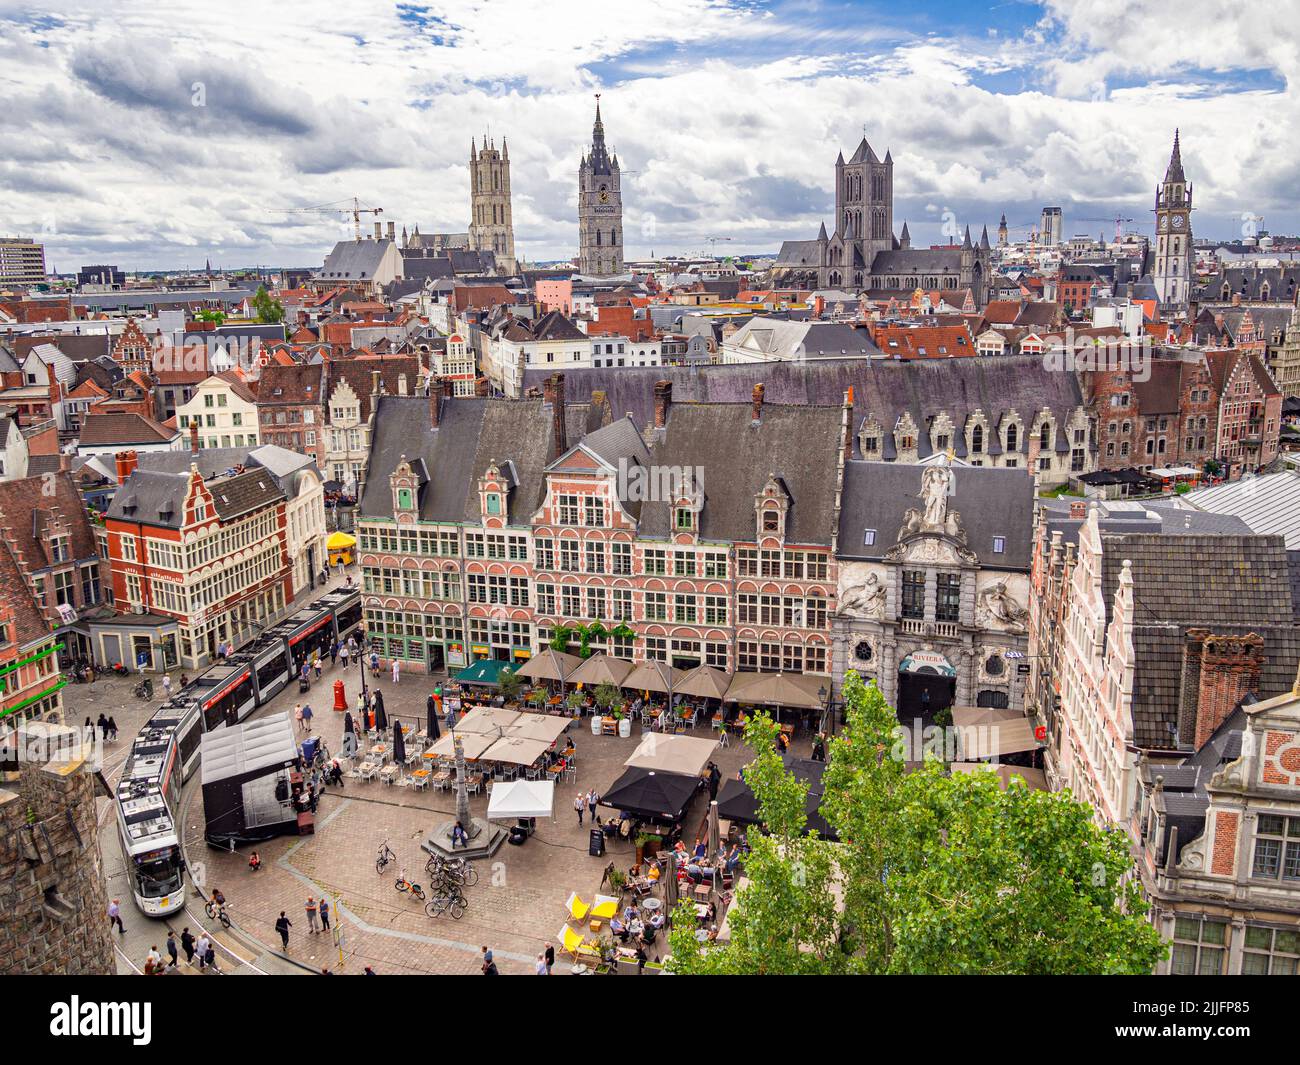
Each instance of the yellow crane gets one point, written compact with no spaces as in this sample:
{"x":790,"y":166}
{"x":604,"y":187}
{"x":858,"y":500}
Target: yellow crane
{"x":340,"y":207}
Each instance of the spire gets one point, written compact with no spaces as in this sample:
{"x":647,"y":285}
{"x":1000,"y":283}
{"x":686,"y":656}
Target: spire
{"x":505,"y":152}
{"x":966,"y":239}
{"x":1175,"y":170}
{"x":984,"y":238}
{"x":839,"y":159}
{"x":472,"y":149}
{"x":1003,"y":220}
{"x":904,"y":238}
{"x":599,"y":155}
{"x":821,"y":233}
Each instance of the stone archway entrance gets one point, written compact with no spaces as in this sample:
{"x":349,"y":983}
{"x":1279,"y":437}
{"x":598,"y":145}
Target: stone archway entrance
{"x":927,"y":683}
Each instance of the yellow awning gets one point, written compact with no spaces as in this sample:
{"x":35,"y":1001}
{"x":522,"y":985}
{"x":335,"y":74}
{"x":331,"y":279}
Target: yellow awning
{"x":339,"y":541}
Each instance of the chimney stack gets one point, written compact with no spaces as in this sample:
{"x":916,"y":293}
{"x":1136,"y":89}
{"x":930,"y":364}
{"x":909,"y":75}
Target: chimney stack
{"x":392,"y":227}
{"x":379,"y":230}
{"x":847,"y":427}
{"x":557,"y":414}
{"x":194,"y":438}
{"x":376,"y":383}
{"x":126,"y":463}
{"x":448,"y":387}
{"x":435,"y":400}
{"x":1229,"y":670}
{"x":663,"y":400}
{"x":65,"y":462}
{"x":482,"y":387}
{"x":758,"y":402}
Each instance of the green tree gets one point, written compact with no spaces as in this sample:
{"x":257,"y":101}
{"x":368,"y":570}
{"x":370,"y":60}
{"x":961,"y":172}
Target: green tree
{"x":509,"y":685}
{"x":269,"y":311}
{"x":935,"y":874}
{"x":210,"y":315}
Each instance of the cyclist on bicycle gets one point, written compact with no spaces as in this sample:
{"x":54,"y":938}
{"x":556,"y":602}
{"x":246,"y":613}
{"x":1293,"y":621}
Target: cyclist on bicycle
{"x":218,"y":902}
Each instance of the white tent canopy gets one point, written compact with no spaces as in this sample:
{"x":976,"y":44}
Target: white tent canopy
{"x":687,"y":755}
{"x":521,"y":798}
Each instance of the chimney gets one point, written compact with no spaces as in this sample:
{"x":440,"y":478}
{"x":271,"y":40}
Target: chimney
{"x":126,"y":462}
{"x":379,"y":230}
{"x":663,"y":400}
{"x":194,"y":438}
{"x":65,"y":462}
{"x":448,"y":387}
{"x":847,"y":427}
{"x":557,"y":414}
{"x":376,"y":383}
{"x":482,"y":387}
{"x":758,"y":403}
{"x":392,"y":230}
{"x":1078,"y":509}
{"x":1229,"y":670}
{"x":435,"y":400}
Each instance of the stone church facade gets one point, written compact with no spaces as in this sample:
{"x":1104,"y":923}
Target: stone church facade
{"x":930,"y":602}
{"x":491,"y":223}
{"x":863,"y":254}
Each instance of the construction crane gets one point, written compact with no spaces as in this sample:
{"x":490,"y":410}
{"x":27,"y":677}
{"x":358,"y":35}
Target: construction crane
{"x":339,"y":207}
{"x":712,"y":242}
{"x":1119,"y":221}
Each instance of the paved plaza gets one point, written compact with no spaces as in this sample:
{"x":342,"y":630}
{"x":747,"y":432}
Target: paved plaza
{"x":516,"y":908}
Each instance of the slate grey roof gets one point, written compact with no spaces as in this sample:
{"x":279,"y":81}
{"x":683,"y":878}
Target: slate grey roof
{"x":991,"y":501}
{"x":881,"y":387}
{"x":917,"y":261}
{"x":800,"y":253}
{"x":99,"y":429}
{"x":733,"y":458}
{"x":354,"y":260}
{"x":471,"y":434}
{"x":243,"y":493}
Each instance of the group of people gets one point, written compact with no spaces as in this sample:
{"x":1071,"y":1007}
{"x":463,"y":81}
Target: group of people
{"x":105,"y":726}
{"x":201,"y":948}
{"x":587,"y":802}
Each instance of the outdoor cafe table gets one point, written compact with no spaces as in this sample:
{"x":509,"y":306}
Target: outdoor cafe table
{"x":379,"y":749}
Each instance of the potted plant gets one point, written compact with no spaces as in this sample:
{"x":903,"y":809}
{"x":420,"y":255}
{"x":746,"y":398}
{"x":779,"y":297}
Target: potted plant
{"x":574,"y":702}
{"x":510,"y":685}
{"x":617,"y":882}
{"x":646,"y":841}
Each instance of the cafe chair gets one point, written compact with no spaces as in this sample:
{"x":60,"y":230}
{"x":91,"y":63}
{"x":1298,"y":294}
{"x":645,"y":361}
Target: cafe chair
{"x":603,"y":907}
{"x":578,"y":909}
{"x":578,"y":948}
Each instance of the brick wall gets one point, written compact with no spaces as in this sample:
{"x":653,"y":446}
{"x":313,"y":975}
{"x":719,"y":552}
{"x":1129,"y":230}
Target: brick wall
{"x":1230,"y":667}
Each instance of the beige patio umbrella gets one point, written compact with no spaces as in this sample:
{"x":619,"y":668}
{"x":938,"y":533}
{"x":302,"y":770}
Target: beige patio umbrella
{"x":516,"y":750}
{"x":778,"y":689}
{"x":538,"y":727}
{"x":666,"y":753}
{"x":705,"y":682}
{"x":653,"y":677}
{"x":549,"y":665}
{"x":487,"y":719}
{"x":474,"y":743}
{"x":600,"y":668}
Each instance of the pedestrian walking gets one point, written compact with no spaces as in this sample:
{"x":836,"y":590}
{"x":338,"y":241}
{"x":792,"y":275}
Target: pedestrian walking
{"x":187,"y":945}
{"x":112,"y":729}
{"x":102,"y":725}
{"x":201,"y":949}
{"x":210,"y":957}
{"x":374,"y":664}
{"x":451,"y":719}
{"x":396,"y":670}
{"x":312,"y":929}
{"x":316,"y":664}
{"x":152,"y":961}
{"x":367,"y":971}
{"x":282,"y":926}
{"x":549,"y":953}
{"x":324,"y":914}
{"x":592,"y":799}
{"x":352,"y":648}
{"x":334,"y":654}
{"x":306,"y":717}
{"x":115,"y":916}
{"x":343,"y":654}
{"x":172,"y":950}
{"x":489,"y":966}
{"x":541,"y":965}
{"x":580,"y":804}
{"x":167,"y":686}
{"x":297,"y":715}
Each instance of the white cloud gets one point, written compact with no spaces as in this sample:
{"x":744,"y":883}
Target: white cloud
{"x":728,"y":116}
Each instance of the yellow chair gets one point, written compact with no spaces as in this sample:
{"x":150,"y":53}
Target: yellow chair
{"x":578,"y":909}
{"x":575,"y":946}
{"x":604,"y":907}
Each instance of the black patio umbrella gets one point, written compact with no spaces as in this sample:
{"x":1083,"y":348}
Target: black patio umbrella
{"x":381,"y":718}
{"x":651,"y":794}
{"x":399,"y":743}
{"x":349,"y":729}
{"x":736,"y":801}
{"x":432,"y":726}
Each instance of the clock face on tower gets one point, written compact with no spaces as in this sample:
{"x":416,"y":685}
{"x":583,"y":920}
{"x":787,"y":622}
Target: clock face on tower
{"x":1179,"y":221}
{"x":604,"y":194}
{"x":1164,"y":222}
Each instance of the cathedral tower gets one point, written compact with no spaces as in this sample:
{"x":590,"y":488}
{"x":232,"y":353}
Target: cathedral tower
{"x":491,"y":225}
{"x":600,"y":208}
{"x":1172,"y":269}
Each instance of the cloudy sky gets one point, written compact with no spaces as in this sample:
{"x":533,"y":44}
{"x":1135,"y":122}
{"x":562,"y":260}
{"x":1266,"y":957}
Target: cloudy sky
{"x":161,"y":135}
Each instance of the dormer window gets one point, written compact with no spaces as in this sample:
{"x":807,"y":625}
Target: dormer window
{"x":405,"y":499}
{"x":771,"y":521}
{"x":493,"y":504}
{"x":685,"y":519}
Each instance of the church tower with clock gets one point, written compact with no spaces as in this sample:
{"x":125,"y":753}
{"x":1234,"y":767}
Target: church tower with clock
{"x":600,"y":208}
{"x":1172,"y":270}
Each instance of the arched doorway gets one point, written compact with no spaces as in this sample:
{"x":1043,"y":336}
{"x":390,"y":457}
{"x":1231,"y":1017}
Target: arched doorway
{"x":927,"y":683}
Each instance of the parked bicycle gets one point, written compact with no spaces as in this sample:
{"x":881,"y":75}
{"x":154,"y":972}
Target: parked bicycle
{"x":407,"y":885}
{"x":454,"y":869}
{"x":144,"y":690}
{"x":451,"y":901}
{"x":384,"y":856}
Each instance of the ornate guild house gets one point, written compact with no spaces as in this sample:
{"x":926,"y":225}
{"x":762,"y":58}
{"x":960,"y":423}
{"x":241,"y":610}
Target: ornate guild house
{"x":933,"y":583}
